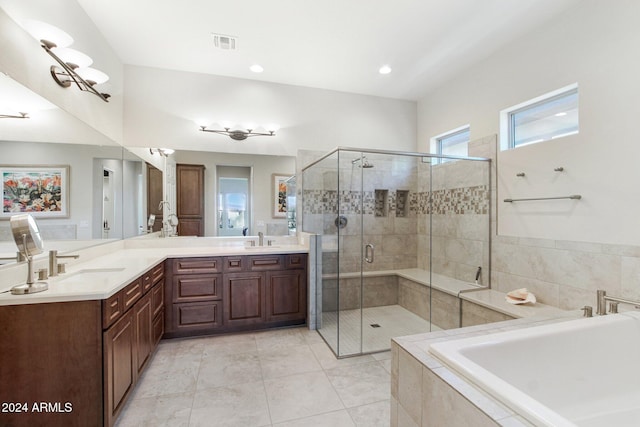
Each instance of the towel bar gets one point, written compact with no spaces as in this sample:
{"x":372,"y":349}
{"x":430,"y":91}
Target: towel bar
{"x":573,"y":196}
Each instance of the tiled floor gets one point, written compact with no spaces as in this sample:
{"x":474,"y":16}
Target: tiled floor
{"x":356,"y":326}
{"x":285,"y":377}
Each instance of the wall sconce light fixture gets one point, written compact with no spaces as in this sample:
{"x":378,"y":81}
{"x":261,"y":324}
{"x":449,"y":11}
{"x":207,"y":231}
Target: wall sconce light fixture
{"x":11,"y":116}
{"x":164,"y":152}
{"x":237,"y":134}
{"x":73,"y":66}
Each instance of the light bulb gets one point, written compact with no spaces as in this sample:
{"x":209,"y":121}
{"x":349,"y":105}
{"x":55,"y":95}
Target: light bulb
{"x":42,"y":31}
{"x":385,"y":69}
{"x":72,"y":56}
{"x":91,"y":75}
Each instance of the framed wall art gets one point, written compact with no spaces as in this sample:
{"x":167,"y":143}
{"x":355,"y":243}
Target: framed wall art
{"x":42,"y":191}
{"x":279,"y":194}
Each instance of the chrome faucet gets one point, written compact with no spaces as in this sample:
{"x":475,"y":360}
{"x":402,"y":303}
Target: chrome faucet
{"x":53,"y":261}
{"x":614,"y":301}
{"x":260,"y":238}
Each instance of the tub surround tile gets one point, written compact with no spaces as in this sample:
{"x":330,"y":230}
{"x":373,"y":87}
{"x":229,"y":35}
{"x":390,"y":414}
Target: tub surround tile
{"x":630,"y":280}
{"x":410,"y":386}
{"x":404,"y":419}
{"x":545,"y":292}
{"x":442,"y":405}
{"x":445,"y":397}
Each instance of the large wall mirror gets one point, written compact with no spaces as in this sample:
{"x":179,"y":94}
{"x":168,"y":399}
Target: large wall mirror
{"x":82,"y":188}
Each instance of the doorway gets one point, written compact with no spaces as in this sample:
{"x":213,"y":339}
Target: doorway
{"x":233,"y":200}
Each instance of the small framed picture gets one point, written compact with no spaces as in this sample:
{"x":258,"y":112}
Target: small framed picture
{"x":42,"y":191}
{"x":279,"y":194}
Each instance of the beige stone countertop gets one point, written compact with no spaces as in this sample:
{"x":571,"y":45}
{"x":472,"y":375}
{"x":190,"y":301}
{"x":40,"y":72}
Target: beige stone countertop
{"x":100,"y":277}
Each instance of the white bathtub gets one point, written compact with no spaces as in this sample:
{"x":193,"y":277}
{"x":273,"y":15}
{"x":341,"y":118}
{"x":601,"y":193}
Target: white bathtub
{"x":582,"y":372}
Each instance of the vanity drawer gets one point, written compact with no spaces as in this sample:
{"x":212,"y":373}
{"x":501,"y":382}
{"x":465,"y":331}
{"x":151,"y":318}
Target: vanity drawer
{"x":112,"y":309}
{"x":157,"y":272}
{"x":293,"y":261}
{"x":132,"y":293}
{"x":234,"y":264}
{"x":197,"y":265}
{"x":147,"y":281}
{"x":197,"y":287}
{"x":116,"y":305}
{"x":265,"y":262}
{"x":197,"y":315}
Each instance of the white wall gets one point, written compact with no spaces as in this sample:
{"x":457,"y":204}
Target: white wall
{"x":595,"y":45}
{"x":163,"y":109}
{"x":85,"y":181}
{"x":26,"y":62}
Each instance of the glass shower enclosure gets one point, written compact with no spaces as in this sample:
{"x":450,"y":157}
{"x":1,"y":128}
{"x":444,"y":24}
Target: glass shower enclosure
{"x":381,"y":216}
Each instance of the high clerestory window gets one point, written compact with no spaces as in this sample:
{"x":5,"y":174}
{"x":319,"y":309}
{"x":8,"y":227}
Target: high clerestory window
{"x":454,"y":143}
{"x":550,"y":116}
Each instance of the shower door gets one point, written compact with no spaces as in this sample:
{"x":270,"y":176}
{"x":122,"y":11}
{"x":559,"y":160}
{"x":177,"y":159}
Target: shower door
{"x":351,"y":251}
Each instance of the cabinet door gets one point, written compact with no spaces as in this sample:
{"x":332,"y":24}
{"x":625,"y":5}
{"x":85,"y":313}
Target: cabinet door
{"x":244,"y":298}
{"x":158,"y":328}
{"x":119,"y":365}
{"x":157,"y":297}
{"x":142,"y":319}
{"x":286,"y":295}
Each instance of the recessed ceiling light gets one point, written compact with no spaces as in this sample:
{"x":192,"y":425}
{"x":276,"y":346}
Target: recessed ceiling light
{"x":385,"y":69}
{"x":560,"y":114}
{"x":256,"y":68}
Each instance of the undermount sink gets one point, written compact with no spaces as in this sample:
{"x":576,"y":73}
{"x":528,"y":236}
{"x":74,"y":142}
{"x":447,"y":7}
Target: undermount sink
{"x":254,"y":248}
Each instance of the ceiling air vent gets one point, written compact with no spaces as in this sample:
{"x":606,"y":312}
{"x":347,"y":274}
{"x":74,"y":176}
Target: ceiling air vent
{"x":224,"y":42}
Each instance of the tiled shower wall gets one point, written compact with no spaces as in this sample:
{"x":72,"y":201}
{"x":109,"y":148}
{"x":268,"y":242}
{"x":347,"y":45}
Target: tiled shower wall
{"x":561,"y":273}
{"x":457,"y":242}
{"x":452,"y":199}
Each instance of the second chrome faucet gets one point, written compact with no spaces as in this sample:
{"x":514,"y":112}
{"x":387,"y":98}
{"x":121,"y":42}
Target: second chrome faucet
{"x":54,"y":267}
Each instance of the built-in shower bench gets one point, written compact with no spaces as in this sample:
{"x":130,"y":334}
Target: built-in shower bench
{"x":437,"y":298}
{"x":473,"y":308}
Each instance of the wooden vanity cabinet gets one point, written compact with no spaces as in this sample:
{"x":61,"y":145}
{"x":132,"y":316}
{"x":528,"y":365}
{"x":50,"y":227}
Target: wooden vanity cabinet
{"x":79,"y":359}
{"x":193,"y":297}
{"x":209,"y":295}
{"x":130,"y":339}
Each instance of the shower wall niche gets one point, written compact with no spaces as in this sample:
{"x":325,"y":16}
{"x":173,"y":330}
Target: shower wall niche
{"x":397,"y":212}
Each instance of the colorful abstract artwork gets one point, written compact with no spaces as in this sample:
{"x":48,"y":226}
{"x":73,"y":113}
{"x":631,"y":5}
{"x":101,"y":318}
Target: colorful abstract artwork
{"x":40,"y":191}
{"x":280,"y":195}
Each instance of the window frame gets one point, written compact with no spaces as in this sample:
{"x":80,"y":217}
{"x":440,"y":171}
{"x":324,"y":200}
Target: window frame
{"x":436,"y":142}
{"x":507,"y":116}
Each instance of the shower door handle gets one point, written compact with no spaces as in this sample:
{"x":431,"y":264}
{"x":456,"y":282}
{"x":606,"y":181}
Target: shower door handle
{"x":369,"y":253}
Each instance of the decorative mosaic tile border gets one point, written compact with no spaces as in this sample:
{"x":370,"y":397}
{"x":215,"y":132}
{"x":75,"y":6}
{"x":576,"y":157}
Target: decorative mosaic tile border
{"x":464,"y":200}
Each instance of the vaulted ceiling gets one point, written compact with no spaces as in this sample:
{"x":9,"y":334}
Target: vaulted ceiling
{"x":330,"y":44}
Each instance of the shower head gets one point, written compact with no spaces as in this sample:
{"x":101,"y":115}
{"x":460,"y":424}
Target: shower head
{"x":365,"y":163}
